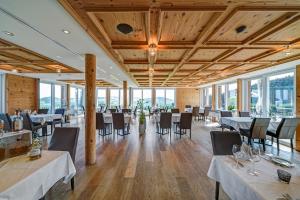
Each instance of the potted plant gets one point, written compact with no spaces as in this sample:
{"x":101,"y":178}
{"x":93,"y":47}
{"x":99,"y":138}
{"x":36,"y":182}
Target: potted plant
{"x":142,"y":118}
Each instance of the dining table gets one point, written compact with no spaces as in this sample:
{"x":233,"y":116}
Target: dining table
{"x":42,"y":118}
{"x":238,"y":184}
{"x":109,"y":120}
{"x":25,"y":179}
{"x":245,"y":122}
{"x":175,"y":117}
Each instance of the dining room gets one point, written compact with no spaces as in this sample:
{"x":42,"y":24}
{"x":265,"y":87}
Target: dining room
{"x":149,"y":99}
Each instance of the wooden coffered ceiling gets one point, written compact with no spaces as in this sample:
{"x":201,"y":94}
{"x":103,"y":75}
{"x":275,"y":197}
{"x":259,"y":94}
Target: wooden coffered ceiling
{"x":16,"y":58}
{"x":99,"y":83}
{"x":197,"y":41}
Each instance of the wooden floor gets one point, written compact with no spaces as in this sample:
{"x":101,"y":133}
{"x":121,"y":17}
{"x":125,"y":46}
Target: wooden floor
{"x":145,"y":167}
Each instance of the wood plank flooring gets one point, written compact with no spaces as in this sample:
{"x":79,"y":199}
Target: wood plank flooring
{"x":145,"y":167}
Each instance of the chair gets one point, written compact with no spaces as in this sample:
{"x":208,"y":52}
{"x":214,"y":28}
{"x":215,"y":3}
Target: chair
{"x":185,"y":123}
{"x":150,"y":112}
{"x":101,"y":125}
{"x":65,"y":139}
{"x":7,"y":121}
{"x":244,"y":114}
{"x":222,"y":143}
{"x":258,"y":130}
{"x":174,"y":110}
{"x":165,"y":123}
{"x":112,"y":110}
{"x":119,"y":124}
{"x":32,"y":126}
{"x":226,"y":114}
{"x":52,"y":123}
{"x":285,"y":130}
{"x":205,"y":114}
{"x":162,"y":110}
{"x":188,"y":106}
{"x":43,"y":111}
{"x":195,"y":112}
{"x":125,"y":110}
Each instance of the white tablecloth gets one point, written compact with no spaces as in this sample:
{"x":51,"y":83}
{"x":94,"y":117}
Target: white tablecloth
{"x":238,"y":184}
{"x":175,"y":117}
{"x":108,"y":118}
{"x":30,"y":180}
{"x":12,"y":137}
{"x":244,"y":122}
{"x":45,"y":117}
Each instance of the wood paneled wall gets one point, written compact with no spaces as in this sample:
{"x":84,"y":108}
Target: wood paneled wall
{"x":21,"y":93}
{"x":298,"y":106}
{"x":187,"y":96}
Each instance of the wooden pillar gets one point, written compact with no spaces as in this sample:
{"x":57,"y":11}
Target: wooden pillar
{"x":90,"y":106}
{"x":239,"y":95}
{"x":153,"y":97}
{"x":297,"y":106}
{"x":125,"y":104}
{"x":213,"y":97}
{"x":108,"y":97}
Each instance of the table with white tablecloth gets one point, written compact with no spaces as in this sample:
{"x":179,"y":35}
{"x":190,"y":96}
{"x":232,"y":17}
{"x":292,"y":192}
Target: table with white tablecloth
{"x":41,"y":118}
{"x":108,"y":118}
{"x":244,"y":122}
{"x":27,"y":180}
{"x":238,"y":184}
{"x":175,"y":117}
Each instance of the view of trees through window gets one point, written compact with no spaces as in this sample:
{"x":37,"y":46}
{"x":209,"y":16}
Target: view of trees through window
{"x":165,"y":97}
{"x":256,"y":96}
{"x":45,"y":95}
{"x":101,"y":97}
{"x":232,"y":96}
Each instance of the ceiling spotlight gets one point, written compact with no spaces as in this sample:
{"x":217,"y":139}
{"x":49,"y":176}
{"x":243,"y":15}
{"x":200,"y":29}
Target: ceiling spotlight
{"x":14,"y":70}
{"x":288,"y":51}
{"x":8,"y":33}
{"x":152,"y":49}
{"x":58,"y":70}
{"x":124,"y":28}
{"x":66,"y":31}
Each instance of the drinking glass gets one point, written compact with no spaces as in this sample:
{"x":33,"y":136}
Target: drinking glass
{"x":254,"y":157}
{"x":236,"y":150}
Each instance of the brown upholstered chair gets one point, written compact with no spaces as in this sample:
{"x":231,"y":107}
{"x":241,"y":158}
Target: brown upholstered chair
{"x":205,"y":114}
{"x":225,"y":114}
{"x":119,"y":124}
{"x":222,"y":143}
{"x":174,"y":110}
{"x":100,"y":125}
{"x":244,"y":114}
{"x":126,"y":110}
{"x":112,"y":110}
{"x":65,"y":139}
{"x":195,"y":112}
{"x":165,"y":123}
{"x":185,"y":124}
{"x":43,"y":111}
{"x":33,"y":126}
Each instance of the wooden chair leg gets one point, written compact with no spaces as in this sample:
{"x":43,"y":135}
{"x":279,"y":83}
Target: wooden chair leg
{"x":217,"y":190}
{"x":72,"y":184}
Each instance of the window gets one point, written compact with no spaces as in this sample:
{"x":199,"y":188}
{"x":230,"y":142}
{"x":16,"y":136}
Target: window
{"x":45,"y":96}
{"x":221,"y":97}
{"x":136,"y":95}
{"x":170,"y":98}
{"x":281,"y":94}
{"x":80,"y":99}
{"x":73,"y":100}
{"x":207,"y":96}
{"x":58,"y":96}
{"x":101,"y":97}
{"x":147,"y":98}
{"x":209,"y":100}
{"x":256,"y":96}
{"x":232,"y":98}
{"x":160,"y":97}
{"x":114,"y":97}
{"x":2,"y":97}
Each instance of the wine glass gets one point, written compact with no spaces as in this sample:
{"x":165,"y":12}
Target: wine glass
{"x":254,"y":157}
{"x":236,"y":149}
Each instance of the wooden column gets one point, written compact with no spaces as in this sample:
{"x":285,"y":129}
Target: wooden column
{"x":213,"y":97}
{"x":125,"y":104}
{"x":90,"y":106}
{"x":239,"y":95}
{"x":297,"y":107}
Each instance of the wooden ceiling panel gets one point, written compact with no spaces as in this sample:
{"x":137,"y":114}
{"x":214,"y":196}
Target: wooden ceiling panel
{"x":245,"y":54}
{"x":110,"y":20}
{"x":133,"y":54}
{"x":191,"y":66}
{"x":163,"y":66}
{"x":99,"y":83}
{"x":138,"y":66}
{"x":208,"y":54}
{"x":281,"y":55}
{"x":170,"y":54}
{"x":245,"y":67}
{"x":183,"y":26}
{"x":218,"y":67}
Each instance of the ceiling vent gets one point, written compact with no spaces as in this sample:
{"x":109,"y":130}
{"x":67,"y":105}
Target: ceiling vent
{"x":124,"y":28}
{"x":240,"y":29}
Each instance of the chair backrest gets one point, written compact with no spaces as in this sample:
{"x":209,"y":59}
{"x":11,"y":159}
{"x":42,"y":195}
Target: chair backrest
{"x":165,"y":120}
{"x":105,"y":109}
{"x":60,"y":111}
{"x":244,"y":114}
{"x":27,"y":123}
{"x":118,"y":120}
{"x":225,"y":113}
{"x":206,"y":110}
{"x":43,"y":111}
{"x":259,"y":128}
{"x":7,"y":121}
{"x":222,"y":141}
{"x":287,"y":128}
{"x":162,"y":110}
{"x":112,"y":110}
{"x":188,"y":106}
{"x":126,"y":110}
{"x":185,"y":121}
{"x":174,"y":110}
{"x":195,"y":111}
{"x":99,"y":121}
{"x":65,"y":139}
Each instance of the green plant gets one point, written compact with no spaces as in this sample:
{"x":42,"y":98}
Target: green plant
{"x":140,"y":106}
{"x":231,"y":107}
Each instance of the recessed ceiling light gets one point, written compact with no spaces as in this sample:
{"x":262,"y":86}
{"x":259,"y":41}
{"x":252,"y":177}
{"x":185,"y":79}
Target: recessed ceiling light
{"x":14,"y":70}
{"x":58,"y":70}
{"x":8,"y":33}
{"x":66,"y":31}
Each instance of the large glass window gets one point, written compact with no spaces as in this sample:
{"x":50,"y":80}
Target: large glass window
{"x":232,"y":96}
{"x":45,"y":96}
{"x":281,"y":94}
{"x":209,"y":100}
{"x":160,"y":97}
{"x":101,"y":97}
{"x":256,"y":96}
{"x":147,"y":98}
{"x":221,"y":97}
{"x":136,"y":95}
{"x":170,"y":98}
{"x":73,"y":100}
{"x":58,"y":96}
{"x":80,"y":99}
{"x":114,"y":97}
